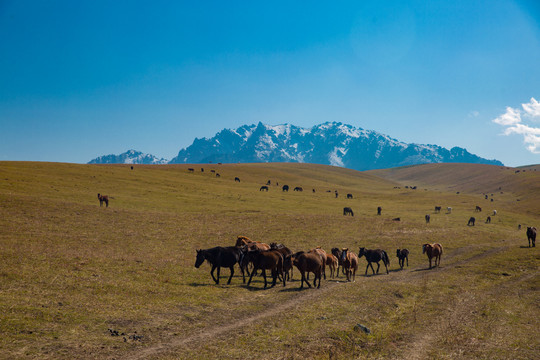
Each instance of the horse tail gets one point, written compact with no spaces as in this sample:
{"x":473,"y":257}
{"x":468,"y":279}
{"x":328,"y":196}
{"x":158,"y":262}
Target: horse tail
{"x":385,"y":258}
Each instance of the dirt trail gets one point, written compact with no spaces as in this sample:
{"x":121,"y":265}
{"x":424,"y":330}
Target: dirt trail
{"x":417,"y":348}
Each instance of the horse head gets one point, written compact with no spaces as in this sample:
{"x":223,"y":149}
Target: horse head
{"x":361,"y":252}
{"x":344,"y":254}
{"x":397,"y":252}
{"x":200,"y":258}
{"x":424,"y":247}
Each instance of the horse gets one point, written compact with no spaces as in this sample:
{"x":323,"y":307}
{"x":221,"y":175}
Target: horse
{"x":488,"y":220}
{"x":471,"y":221}
{"x":433,"y":251}
{"x":402,"y":254}
{"x":428,"y":218}
{"x":531,"y":235}
{"x":347,"y":211}
{"x":103,"y":199}
{"x":251,"y":245}
{"x":191,"y":169}
{"x":332,"y":263}
{"x":285,"y":188}
{"x":221,"y":257}
{"x":287,"y":262}
{"x":494,"y":212}
{"x":268,"y":182}
{"x":478,"y":209}
{"x":349,"y":196}
{"x":217,"y":175}
{"x":437,"y":209}
{"x":337,"y":253}
{"x":349,"y":262}
{"x":266,"y":260}
{"x":379,"y":209}
{"x":308,"y":262}
{"x":374,"y":256}
{"x":298,"y":188}
{"x":264,"y":187}
{"x":449,"y":210}
{"x":322,"y":254}
{"x":237,"y":179}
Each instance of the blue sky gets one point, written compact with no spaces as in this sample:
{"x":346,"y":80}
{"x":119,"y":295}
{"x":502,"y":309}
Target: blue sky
{"x":80,"y":79}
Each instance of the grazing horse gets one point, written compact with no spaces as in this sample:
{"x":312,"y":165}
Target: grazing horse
{"x":191,"y":170}
{"x":433,"y":251}
{"x":333,"y":264}
{"x":478,"y":209}
{"x":531,"y":235}
{"x":471,"y":221}
{"x":437,"y":209}
{"x":349,"y":261}
{"x":402,"y":254}
{"x":379,"y":209}
{"x":266,"y":260}
{"x":237,"y":179}
{"x":285,"y":188}
{"x":217,"y":175}
{"x":347,"y":211}
{"x":449,"y":210}
{"x":428,"y":218}
{"x":287,"y":261}
{"x":264,"y":187}
{"x":221,"y":257}
{"x":103,"y":199}
{"x":298,"y":188}
{"x":306,"y":263}
{"x":349,"y":196}
{"x":374,"y":256}
{"x":494,"y":212}
{"x":488,"y":220}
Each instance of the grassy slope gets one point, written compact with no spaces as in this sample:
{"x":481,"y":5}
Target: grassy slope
{"x":70,"y":270}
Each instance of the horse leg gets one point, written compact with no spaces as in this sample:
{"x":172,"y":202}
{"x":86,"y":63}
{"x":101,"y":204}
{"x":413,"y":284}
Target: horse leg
{"x":251,"y":276}
{"x":212,"y":273}
{"x":407,"y":261}
{"x":232,"y":273}
{"x":378,"y":266}
{"x":264,"y":276}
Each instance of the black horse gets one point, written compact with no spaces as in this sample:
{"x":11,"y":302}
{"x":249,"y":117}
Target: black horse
{"x":471,"y":221}
{"x":374,"y":256}
{"x":402,"y":254}
{"x":531,"y":235}
{"x":221,"y":257}
{"x":348,"y":210}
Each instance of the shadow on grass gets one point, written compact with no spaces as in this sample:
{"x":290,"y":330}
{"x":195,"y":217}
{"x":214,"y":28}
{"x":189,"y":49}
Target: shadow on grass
{"x":525,"y":247}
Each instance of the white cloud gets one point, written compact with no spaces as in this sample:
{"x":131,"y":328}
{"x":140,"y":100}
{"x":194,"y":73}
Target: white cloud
{"x":513,"y":121}
{"x":532,"y":109}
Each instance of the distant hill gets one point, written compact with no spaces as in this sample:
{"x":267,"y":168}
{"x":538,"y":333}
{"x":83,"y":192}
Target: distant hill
{"x":331,"y":143}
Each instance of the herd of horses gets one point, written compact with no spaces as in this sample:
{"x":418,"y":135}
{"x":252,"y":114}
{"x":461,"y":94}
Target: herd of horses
{"x":252,"y":256}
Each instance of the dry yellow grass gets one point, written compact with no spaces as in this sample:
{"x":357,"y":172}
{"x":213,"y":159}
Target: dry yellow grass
{"x":70,"y":270}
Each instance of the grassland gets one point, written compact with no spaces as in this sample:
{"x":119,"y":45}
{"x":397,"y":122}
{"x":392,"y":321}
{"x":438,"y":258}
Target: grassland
{"x":70,"y":270}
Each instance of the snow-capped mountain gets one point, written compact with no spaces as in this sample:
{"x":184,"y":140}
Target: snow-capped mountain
{"x":331,"y":143}
{"x":129,"y":157}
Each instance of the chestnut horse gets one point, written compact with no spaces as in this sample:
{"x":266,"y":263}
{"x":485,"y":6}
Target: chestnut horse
{"x":332,"y":263}
{"x":287,"y":262}
{"x":350,"y":263}
{"x":308,"y":262}
{"x":323,"y":255}
{"x":337,"y":253}
{"x":221,"y":257}
{"x":433,"y":251}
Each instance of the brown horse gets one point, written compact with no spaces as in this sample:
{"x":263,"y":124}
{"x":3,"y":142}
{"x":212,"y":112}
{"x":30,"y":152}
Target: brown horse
{"x":103,"y":199}
{"x":531,"y":235}
{"x":323,"y":256}
{"x":337,"y":253}
{"x":251,"y":245}
{"x":287,"y":262}
{"x":433,"y":251}
{"x":266,"y":260}
{"x":350,"y":263}
{"x":308,"y":262}
{"x":332,"y":263}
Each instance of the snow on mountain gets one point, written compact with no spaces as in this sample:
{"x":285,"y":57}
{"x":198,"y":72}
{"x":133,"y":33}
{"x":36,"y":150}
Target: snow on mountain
{"x":330,"y":143}
{"x":129,"y":157}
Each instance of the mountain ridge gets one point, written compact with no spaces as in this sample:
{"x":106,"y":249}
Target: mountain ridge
{"x":329,"y":143}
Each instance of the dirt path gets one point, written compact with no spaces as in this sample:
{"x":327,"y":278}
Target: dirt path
{"x":416,"y":350}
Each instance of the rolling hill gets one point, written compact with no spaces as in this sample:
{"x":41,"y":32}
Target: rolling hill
{"x":83,"y":281}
